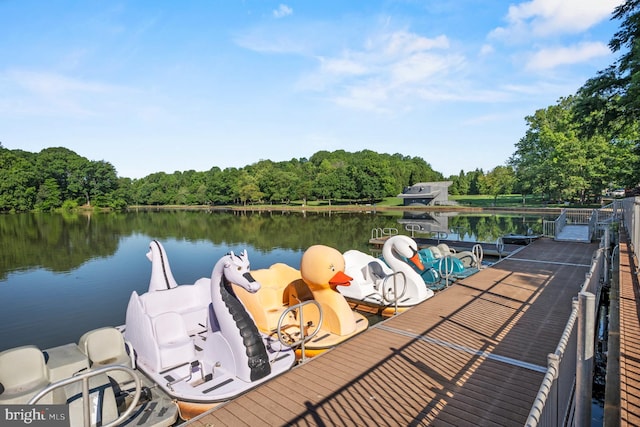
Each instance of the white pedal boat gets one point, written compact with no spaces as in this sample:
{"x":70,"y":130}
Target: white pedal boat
{"x":391,"y":287}
{"x":197,"y":341}
{"x":118,"y":393}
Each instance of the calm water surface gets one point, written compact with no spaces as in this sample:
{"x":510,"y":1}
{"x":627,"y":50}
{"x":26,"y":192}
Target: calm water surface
{"x":64,"y":274}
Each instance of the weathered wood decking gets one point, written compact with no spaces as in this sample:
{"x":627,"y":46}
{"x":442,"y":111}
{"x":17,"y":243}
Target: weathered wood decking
{"x":475,"y":354}
{"x":629,"y":322}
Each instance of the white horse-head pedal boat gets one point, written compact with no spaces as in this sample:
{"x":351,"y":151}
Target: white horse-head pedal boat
{"x":198,"y":342}
{"x":118,"y":394}
{"x":391,"y":287}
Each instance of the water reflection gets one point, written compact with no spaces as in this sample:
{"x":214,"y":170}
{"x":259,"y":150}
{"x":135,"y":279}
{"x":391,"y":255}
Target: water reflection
{"x":61,"y":275}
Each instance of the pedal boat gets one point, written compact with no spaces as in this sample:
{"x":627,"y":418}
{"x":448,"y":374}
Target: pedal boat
{"x":197,"y":342}
{"x":388,"y":287}
{"x":450,"y":264}
{"x":118,"y":393}
{"x":329,"y":318}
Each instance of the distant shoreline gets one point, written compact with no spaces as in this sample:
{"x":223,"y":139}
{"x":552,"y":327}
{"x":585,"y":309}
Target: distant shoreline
{"x":349,"y":208}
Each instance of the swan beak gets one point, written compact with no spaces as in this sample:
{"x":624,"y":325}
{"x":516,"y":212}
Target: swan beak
{"x":415,"y":259}
{"x":340,"y":279}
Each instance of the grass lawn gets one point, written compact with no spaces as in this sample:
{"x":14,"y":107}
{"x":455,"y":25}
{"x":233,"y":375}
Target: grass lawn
{"x":472,"y":201}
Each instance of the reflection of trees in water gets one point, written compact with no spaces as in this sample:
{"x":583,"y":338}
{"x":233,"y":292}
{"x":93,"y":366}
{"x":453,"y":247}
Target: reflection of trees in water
{"x":487,"y":228}
{"x":55,"y":242}
{"x":62,"y":242}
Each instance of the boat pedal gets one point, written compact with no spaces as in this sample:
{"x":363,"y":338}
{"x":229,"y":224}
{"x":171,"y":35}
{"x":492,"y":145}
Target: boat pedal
{"x":202,"y":380}
{"x":147,"y":414}
{"x":284,"y":356}
{"x":223,"y":383}
{"x":321,"y":338}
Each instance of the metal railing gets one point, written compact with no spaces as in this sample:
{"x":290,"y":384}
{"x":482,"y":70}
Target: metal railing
{"x":631,"y":221}
{"x":378,"y":233}
{"x":564,"y":397}
{"x":565,"y":392}
{"x":86,"y":401}
{"x":303,"y":326}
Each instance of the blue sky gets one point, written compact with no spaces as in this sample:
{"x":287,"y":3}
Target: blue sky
{"x":153,"y":86}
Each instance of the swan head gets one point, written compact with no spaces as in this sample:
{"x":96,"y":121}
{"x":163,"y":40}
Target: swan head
{"x":161,"y":275}
{"x":323,"y":267}
{"x":406,"y":248}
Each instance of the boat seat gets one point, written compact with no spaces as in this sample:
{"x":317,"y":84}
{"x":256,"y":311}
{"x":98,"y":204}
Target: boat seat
{"x":467,"y":258}
{"x":104,"y":347}
{"x":175,"y":346}
{"x":190,"y":301}
{"x":23,"y":373}
{"x":376,"y":271}
{"x":269,"y":302}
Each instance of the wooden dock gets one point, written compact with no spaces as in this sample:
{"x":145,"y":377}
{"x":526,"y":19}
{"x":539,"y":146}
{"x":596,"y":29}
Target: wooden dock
{"x":628,"y":368}
{"x":475,"y":354}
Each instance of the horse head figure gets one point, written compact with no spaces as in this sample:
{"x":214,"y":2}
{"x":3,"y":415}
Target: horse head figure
{"x":236,"y":269}
{"x":230,"y":318}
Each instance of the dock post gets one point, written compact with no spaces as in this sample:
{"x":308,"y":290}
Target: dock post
{"x":607,"y":253}
{"x":584,"y":359}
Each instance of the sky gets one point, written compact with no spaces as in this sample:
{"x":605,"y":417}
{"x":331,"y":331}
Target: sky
{"x":165,"y":86}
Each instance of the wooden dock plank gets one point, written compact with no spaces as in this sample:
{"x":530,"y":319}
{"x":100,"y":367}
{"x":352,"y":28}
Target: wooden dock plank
{"x":629,"y":338}
{"x":474,"y":354}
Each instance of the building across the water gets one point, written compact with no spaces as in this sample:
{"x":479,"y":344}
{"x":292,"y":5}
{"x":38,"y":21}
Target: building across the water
{"x":426,"y":193}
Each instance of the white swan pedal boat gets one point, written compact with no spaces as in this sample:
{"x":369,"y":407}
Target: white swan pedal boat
{"x":118,"y":393}
{"x":197,"y":342}
{"x":390,"y":286}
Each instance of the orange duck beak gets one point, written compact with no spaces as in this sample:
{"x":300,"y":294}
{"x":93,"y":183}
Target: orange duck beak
{"x":415,"y":259}
{"x":340,"y":279}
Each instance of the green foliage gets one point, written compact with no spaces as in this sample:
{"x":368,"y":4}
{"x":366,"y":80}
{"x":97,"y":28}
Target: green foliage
{"x":555,"y":160}
{"x":361,"y":177}
{"x":46,"y":180}
{"x":504,"y":200}
{"x":608,"y":105}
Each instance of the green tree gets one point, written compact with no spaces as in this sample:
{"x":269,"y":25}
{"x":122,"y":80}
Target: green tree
{"x":554,"y":160}
{"x":48,"y":196}
{"x":498,"y":181}
{"x":609,"y":104}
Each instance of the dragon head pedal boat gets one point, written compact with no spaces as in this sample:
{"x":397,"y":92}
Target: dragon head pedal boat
{"x":197,"y":341}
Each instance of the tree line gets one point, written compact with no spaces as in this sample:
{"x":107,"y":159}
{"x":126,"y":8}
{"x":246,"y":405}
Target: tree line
{"x":574,"y":150}
{"x":58,"y":177}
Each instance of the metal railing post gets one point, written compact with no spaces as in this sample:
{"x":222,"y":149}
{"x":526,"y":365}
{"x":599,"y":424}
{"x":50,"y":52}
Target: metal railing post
{"x":584,"y":360}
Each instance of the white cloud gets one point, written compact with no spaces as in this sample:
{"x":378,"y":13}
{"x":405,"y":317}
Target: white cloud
{"x":342,"y":66}
{"x":47,"y":93}
{"x":542,"y":18}
{"x":486,"y":49}
{"x":282,"y":11}
{"x":388,"y":71}
{"x":53,"y":84}
{"x":402,"y":42}
{"x":549,"y":58}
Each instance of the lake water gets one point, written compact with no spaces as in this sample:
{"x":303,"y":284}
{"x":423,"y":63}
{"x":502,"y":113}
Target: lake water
{"x":64,"y":274}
